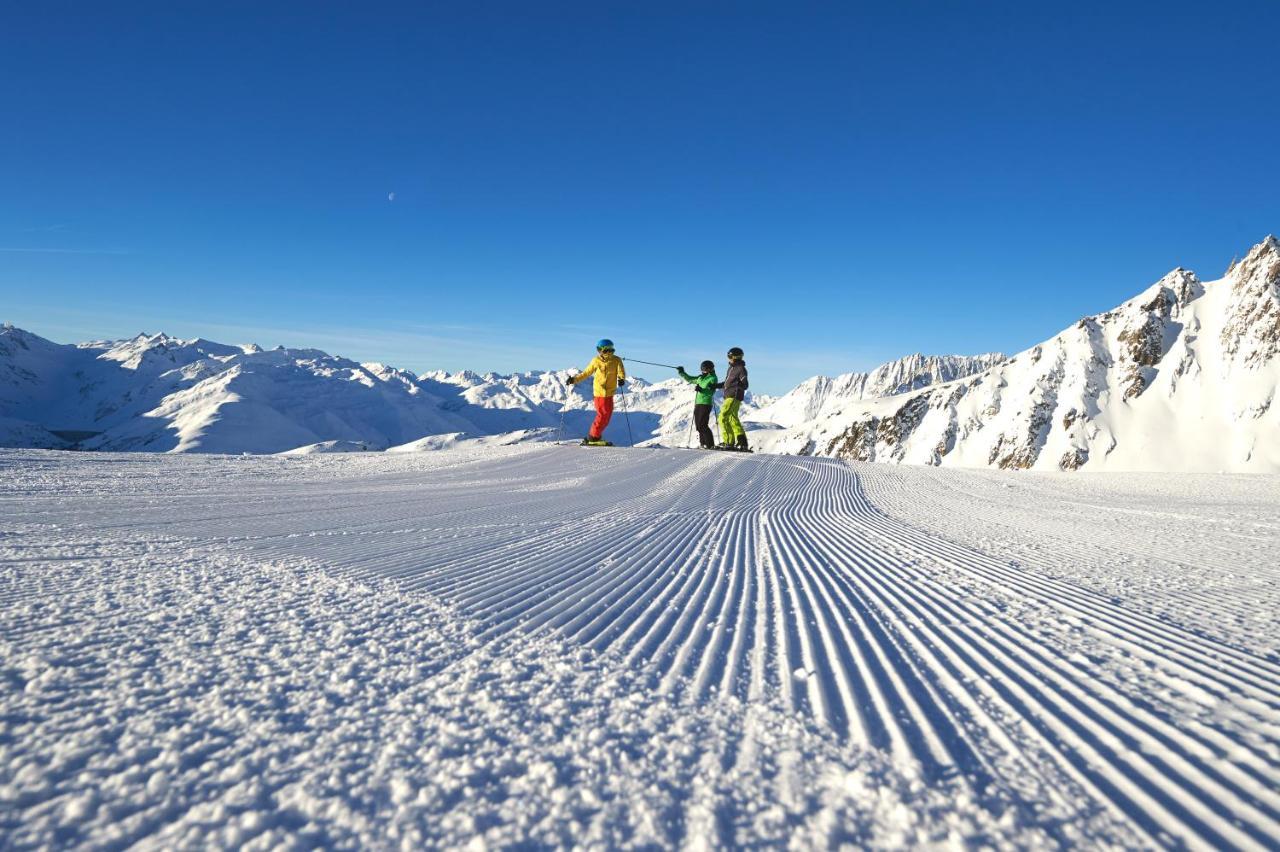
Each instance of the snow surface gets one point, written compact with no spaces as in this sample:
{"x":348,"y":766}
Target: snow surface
{"x":561,"y":646}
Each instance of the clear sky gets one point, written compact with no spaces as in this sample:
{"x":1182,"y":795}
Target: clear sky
{"x":827,"y":185}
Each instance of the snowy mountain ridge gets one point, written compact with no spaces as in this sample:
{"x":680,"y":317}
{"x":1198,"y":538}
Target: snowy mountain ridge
{"x":1181,"y":377}
{"x":822,"y":396}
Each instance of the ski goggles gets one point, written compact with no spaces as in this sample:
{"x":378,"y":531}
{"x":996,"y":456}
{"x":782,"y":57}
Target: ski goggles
{"x":608,"y":350}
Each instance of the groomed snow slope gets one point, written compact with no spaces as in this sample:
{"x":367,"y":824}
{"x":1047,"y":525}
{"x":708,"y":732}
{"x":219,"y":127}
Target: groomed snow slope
{"x":556,"y":645}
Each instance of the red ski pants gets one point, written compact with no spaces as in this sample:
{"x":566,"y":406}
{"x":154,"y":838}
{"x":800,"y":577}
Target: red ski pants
{"x":604,"y":410}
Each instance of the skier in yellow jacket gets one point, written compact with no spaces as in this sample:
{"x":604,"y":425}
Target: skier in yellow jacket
{"x":610,"y":374}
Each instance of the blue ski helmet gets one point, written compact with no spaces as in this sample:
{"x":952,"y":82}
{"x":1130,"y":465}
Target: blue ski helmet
{"x":604,"y":343}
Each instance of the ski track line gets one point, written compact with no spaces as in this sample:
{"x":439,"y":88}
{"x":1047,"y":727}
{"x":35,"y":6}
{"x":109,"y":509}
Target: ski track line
{"x":754,"y":577}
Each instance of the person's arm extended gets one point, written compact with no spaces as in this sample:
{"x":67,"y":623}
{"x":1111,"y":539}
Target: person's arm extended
{"x":591,"y":368}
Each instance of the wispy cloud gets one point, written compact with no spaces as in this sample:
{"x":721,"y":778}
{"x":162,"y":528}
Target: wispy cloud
{"x":16,"y":250}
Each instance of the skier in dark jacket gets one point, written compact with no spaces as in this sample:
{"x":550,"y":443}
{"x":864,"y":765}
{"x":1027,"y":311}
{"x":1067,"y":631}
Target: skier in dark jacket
{"x":706,"y":384}
{"x":735,"y":390}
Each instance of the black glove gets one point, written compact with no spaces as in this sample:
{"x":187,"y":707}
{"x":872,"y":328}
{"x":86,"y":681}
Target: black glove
{"x":569,"y":381}
{"x":679,"y":369}
{"x":621,"y":382}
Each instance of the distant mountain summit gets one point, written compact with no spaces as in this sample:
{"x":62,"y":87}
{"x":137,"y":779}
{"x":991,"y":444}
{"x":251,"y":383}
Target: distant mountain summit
{"x":1181,"y":377}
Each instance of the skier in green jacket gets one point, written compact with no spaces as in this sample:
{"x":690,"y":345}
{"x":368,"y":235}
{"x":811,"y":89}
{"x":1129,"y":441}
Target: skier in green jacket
{"x":706,"y":391}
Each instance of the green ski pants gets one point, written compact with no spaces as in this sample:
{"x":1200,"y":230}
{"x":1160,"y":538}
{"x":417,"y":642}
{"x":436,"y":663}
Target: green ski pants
{"x":730,"y":426}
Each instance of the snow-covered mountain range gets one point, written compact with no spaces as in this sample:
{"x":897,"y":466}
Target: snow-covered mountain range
{"x":159,"y":393}
{"x":1181,"y":377}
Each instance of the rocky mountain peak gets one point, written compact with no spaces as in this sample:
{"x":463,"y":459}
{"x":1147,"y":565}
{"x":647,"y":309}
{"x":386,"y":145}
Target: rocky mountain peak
{"x":1251,"y":334}
{"x":1183,"y":284}
{"x":1260,"y":267}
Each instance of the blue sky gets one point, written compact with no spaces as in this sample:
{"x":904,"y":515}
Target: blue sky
{"x":826,"y":185}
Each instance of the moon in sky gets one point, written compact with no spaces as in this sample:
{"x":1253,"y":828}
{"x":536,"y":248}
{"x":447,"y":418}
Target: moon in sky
{"x":391,"y":196}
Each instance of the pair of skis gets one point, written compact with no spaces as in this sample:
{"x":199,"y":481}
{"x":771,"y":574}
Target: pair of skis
{"x":721,"y":449}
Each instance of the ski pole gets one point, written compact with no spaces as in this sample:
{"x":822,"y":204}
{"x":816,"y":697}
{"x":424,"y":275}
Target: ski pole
{"x":563,"y":406}
{"x":631,"y":438}
{"x":688,"y":441}
{"x":652,"y":363}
